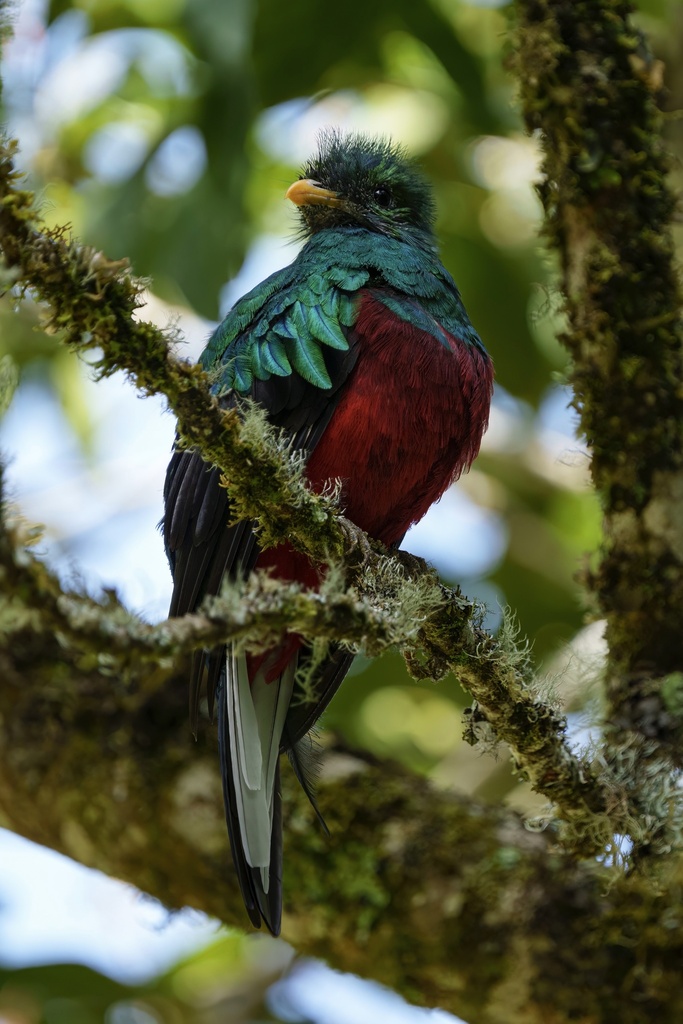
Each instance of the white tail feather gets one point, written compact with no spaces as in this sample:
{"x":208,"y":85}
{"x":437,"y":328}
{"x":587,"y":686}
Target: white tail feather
{"x":256,"y":717}
{"x":249,"y":757}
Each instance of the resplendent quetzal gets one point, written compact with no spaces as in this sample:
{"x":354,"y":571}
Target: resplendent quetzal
{"x":362,"y":351}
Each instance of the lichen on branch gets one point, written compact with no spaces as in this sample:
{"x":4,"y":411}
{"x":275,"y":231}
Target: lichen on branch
{"x":451,"y":902}
{"x":91,"y":300}
{"x":592,"y":91}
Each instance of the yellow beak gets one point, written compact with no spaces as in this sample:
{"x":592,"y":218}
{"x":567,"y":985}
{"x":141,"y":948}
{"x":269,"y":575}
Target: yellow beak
{"x":309,"y":193}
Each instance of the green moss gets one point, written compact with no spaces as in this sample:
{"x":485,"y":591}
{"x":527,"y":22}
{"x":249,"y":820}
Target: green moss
{"x":672,"y":693}
{"x":594,"y":98}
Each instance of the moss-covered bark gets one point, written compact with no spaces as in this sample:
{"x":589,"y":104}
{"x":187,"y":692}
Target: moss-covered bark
{"x":452,"y":903}
{"x":592,"y":89}
{"x":93,"y":307}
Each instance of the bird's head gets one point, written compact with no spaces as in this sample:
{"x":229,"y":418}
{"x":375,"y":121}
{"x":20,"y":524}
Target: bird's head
{"x":366,"y":182}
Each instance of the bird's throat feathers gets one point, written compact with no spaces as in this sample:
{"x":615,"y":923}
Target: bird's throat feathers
{"x":283,"y":323}
{"x":415,"y":277}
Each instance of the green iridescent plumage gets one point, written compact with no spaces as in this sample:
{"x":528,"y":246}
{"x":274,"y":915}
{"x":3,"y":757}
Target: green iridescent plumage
{"x":286,"y":321}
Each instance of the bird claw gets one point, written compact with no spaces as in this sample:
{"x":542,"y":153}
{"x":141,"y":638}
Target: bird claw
{"x":358,"y":544}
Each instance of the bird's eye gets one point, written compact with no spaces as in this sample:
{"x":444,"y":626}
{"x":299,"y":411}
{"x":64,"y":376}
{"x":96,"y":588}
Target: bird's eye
{"x":382,"y":196}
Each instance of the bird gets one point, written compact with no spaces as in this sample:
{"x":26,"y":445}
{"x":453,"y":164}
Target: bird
{"x":362,"y":352}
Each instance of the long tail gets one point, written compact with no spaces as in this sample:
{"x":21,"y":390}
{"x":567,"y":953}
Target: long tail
{"x":251,"y":718}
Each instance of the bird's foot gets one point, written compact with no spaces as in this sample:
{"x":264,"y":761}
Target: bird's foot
{"x":359,"y":547}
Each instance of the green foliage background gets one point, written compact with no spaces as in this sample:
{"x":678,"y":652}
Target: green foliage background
{"x":436,"y":71}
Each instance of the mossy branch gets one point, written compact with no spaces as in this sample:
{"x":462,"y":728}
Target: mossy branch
{"x":592,"y":90}
{"x":91,"y":301}
{"x":450,"y":902}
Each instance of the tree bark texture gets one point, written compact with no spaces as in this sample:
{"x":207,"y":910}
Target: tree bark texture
{"x":450,"y":902}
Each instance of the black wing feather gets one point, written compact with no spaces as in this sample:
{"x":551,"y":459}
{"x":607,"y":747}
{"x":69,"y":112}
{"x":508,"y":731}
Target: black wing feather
{"x":303,"y":714}
{"x":203,"y":547}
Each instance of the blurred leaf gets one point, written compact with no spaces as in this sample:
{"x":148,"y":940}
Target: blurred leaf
{"x":9,"y":379}
{"x":67,"y":378}
{"x":224,"y":981}
{"x":57,"y":992}
{"x":353,"y":51}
